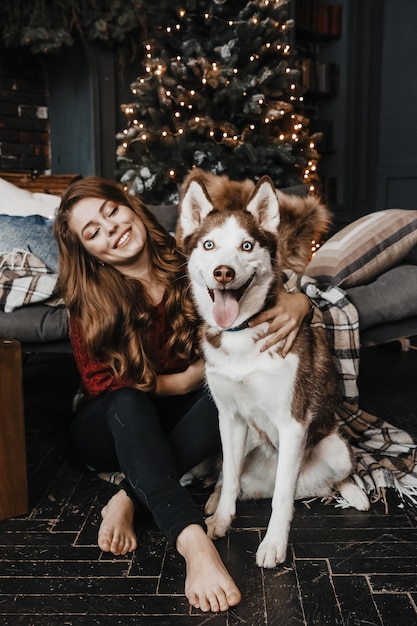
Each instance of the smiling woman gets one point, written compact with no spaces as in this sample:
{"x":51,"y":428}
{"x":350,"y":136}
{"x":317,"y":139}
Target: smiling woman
{"x":145,"y":409}
{"x":113,"y":234}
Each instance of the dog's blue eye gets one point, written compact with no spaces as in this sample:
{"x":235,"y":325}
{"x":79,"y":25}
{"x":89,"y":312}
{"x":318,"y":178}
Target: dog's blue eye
{"x":247,"y":246}
{"x":208,"y":245}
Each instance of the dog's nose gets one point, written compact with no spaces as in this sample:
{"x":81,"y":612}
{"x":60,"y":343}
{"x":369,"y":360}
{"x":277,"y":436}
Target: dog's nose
{"x":224,"y":274}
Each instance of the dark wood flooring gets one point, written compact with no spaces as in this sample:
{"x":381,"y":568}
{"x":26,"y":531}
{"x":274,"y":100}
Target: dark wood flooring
{"x":343,"y":568}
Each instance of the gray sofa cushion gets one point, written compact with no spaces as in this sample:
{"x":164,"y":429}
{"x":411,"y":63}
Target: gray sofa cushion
{"x":391,"y":297}
{"x":34,"y":323}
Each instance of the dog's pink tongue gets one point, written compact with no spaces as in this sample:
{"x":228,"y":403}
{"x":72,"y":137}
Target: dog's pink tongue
{"x":225,"y":308}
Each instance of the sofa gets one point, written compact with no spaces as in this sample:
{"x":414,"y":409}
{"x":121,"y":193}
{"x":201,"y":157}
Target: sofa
{"x":374,"y":260}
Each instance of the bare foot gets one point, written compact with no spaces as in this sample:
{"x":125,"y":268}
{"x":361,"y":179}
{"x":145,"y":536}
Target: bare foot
{"x":208,"y":584}
{"x":116,"y":532}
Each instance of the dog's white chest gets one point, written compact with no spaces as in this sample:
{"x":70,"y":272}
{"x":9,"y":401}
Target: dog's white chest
{"x":256,"y":385}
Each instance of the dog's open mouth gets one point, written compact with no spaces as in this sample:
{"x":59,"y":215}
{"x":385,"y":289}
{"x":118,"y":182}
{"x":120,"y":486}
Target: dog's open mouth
{"x":226,"y":303}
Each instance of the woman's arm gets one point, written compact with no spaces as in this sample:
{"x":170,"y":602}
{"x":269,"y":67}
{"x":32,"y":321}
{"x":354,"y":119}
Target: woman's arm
{"x":182,"y":382}
{"x":285,"y":320}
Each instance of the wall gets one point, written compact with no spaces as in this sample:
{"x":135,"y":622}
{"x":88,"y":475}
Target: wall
{"x":24,"y":124}
{"x":374,"y":119}
{"x":58,"y":112}
{"x":82,"y":110}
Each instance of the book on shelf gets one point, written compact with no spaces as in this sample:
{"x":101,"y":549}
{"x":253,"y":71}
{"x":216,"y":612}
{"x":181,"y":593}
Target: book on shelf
{"x":319,"y":18}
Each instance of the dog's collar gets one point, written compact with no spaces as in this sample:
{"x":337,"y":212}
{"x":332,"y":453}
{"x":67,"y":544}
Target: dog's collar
{"x":241,"y":326}
{"x":244,"y":324}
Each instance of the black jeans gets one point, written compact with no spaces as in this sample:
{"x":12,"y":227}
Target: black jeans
{"x":153,"y":441}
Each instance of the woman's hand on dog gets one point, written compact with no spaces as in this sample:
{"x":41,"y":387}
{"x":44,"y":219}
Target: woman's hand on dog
{"x":182,"y":382}
{"x":285,"y":319}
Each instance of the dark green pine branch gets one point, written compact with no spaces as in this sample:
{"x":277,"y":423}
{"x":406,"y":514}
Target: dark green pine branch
{"x":219,"y":90}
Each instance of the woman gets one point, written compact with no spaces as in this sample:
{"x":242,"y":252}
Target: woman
{"x":145,"y":411}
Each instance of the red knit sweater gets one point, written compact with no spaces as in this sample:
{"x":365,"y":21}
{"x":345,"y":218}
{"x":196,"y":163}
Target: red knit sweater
{"x":97,"y":377}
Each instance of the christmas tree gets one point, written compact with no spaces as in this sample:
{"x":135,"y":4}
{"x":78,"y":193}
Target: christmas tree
{"x":220,"y":90}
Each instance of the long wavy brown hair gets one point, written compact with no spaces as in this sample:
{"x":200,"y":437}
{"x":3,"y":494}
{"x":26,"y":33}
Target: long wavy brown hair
{"x":112,"y":310}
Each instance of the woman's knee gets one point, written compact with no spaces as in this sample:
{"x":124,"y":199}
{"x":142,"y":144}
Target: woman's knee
{"x":127,"y":404}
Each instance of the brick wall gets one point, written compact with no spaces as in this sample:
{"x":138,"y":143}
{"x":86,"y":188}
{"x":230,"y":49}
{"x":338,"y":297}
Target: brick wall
{"x":24,"y":125}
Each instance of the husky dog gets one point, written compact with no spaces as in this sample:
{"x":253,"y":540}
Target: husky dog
{"x":278,"y":430}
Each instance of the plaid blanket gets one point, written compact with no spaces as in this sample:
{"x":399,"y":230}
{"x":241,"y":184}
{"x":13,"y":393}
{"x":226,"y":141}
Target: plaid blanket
{"x":386,"y":457}
{"x":25,"y":279}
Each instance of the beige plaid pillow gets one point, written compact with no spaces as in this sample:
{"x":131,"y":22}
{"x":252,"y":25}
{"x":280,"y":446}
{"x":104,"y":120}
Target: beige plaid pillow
{"x":369,"y":246}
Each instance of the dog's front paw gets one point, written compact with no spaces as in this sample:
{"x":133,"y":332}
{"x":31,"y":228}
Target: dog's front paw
{"x":212,"y":502}
{"x":217,"y":526}
{"x":270,"y":554}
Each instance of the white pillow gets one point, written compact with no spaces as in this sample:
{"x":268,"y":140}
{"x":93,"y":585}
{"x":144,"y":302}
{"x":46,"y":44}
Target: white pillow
{"x":16,"y":201}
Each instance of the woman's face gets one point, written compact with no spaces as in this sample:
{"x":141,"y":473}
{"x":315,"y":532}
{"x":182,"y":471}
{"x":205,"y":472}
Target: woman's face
{"x":110,"y":232}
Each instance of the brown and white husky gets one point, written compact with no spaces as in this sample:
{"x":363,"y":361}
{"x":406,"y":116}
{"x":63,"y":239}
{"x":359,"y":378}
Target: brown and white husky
{"x":278,"y":430}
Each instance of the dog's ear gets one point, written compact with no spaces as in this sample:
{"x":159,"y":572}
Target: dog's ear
{"x":195,"y":205}
{"x":263,"y":205}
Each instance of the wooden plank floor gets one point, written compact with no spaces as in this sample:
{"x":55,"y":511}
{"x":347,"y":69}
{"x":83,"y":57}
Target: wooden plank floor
{"x":343,"y":567}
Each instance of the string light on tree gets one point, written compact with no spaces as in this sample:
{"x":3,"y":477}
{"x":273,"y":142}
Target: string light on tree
{"x":198,"y":102}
